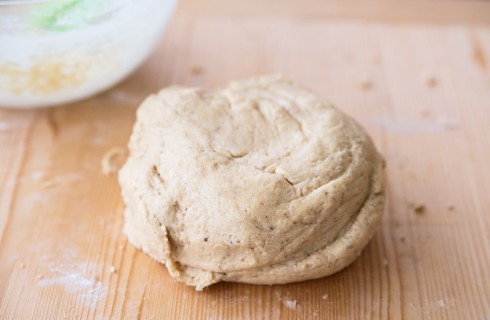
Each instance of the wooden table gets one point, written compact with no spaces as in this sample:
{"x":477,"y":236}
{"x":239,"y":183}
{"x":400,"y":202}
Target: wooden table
{"x":416,"y":74}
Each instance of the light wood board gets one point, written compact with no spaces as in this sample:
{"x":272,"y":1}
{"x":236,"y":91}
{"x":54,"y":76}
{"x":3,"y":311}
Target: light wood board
{"x":61,"y":219}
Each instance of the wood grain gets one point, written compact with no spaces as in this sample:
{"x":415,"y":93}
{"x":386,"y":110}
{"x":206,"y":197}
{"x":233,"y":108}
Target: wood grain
{"x":395,"y":11}
{"x":63,"y":254}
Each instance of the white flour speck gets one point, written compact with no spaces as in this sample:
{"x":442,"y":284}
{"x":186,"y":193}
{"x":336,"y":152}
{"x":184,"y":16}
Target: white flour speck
{"x":290,"y":304}
{"x":37,"y":175}
{"x":123,"y":96}
{"x":98,"y":140}
{"x":4,"y":126}
{"x":448,"y":123}
{"x":38,"y":197}
{"x":408,"y":126}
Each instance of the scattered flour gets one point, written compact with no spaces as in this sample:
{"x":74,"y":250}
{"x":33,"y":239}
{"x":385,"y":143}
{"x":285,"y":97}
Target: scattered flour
{"x":73,"y":283}
{"x":441,"y":303}
{"x":75,"y":279}
{"x":430,"y":306}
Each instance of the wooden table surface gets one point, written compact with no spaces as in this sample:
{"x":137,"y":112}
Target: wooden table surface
{"x":416,"y":74}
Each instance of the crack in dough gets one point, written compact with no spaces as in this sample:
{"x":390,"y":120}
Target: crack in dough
{"x":260,"y":182}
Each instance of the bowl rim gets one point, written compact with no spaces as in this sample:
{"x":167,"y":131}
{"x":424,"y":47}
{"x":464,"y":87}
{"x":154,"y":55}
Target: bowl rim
{"x":23,"y":2}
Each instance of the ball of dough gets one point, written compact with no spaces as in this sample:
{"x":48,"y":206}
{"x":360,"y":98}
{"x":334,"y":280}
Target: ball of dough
{"x":261,"y":182}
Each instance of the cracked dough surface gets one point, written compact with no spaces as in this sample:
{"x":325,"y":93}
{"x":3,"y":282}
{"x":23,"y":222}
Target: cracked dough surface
{"x":260,"y":182}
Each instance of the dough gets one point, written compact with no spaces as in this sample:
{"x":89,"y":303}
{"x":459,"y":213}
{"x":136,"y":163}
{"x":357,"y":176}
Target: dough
{"x":261,"y":182}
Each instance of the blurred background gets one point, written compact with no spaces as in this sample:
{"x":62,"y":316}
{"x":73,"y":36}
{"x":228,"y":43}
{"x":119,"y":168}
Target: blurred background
{"x":415,"y":74}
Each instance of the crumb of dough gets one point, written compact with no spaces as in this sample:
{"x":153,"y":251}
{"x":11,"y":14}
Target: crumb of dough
{"x":22,"y":265}
{"x":425,"y":113}
{"x":196,"y":70}
{"x":418,"y":208}
{"x":365,"y":83}
{"x":325,"y":296}
{"x":113,"y":160}
{"x":375,"y":59}
{"x":429,"y":79}
{"x":385,"y":262}
{"x":112,"y":269}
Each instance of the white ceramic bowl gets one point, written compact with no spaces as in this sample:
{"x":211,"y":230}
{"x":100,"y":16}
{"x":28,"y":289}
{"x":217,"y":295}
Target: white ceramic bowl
{"x":54,"y":52}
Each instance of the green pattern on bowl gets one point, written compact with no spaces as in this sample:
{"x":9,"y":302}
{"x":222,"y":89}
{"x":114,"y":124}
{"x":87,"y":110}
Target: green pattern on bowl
{"x":66,"y":15}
